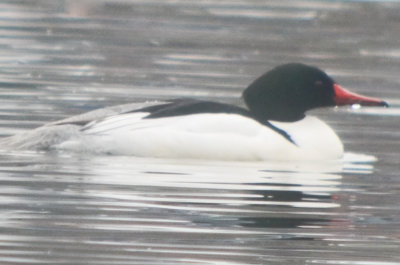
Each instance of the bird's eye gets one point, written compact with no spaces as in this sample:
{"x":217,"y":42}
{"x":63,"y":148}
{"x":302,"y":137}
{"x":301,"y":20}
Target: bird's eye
{"x":318,"y":83}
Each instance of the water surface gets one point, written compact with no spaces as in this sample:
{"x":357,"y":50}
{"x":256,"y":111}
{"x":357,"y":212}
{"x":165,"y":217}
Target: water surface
{"x":60,"y":58}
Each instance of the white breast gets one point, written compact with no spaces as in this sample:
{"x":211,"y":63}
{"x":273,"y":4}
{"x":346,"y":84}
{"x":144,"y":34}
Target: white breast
{"x":207,"y":136}
{"x":314,"y":137}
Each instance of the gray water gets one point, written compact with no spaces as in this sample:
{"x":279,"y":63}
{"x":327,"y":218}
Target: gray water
{"x":61,"y":58}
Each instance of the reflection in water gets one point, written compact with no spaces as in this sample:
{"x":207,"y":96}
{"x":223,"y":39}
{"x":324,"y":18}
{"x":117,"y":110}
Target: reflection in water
{"x":98,"y":205}
{"x":60,"y":58}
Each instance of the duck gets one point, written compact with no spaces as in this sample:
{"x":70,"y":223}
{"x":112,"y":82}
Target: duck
{"x":272,"y":124}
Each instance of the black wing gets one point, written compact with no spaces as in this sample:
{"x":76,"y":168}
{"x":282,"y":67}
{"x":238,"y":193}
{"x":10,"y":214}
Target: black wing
{"x":191,"y":106}
{"x":180,"y":107}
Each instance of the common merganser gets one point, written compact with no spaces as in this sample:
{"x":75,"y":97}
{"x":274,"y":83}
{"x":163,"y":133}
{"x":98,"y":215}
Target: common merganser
{"x":272,"y":127}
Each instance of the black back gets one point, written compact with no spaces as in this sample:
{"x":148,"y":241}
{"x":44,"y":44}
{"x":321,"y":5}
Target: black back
{"x":180,"y":107}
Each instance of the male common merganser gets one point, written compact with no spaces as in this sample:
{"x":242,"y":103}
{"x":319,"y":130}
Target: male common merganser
{"x":272,"y":127}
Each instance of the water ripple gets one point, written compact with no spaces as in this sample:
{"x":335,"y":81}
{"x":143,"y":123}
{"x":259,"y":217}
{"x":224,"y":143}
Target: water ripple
{"x":60,"y":58}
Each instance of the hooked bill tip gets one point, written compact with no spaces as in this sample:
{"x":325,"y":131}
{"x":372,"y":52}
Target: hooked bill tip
{"x":385,"y":104}
{"x":345,"y":97}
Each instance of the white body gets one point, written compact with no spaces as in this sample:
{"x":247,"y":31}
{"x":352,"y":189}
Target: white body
{"x":206,"y":136}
